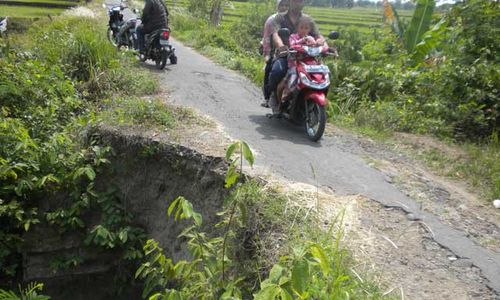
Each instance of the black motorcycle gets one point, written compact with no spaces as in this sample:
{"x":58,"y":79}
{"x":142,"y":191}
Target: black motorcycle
{"x":115,"y":13}
{"x":159,"y":49}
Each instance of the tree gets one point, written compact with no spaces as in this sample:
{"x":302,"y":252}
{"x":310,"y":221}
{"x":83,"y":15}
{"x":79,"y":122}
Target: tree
{"x":216,"y":12}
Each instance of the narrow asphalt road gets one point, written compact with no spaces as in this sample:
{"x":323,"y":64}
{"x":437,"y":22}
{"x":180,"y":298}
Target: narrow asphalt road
{"x":283,"y":148}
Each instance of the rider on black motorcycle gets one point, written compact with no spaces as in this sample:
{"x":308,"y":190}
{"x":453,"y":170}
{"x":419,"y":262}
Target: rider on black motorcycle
{"x":154,"y":16}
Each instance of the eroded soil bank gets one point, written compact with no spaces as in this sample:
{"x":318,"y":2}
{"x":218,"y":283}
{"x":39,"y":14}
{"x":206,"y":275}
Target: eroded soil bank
{"x":147,"y":176}
{"x":391,"y":249}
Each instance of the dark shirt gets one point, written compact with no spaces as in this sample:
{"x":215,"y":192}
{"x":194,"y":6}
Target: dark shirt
{"x":154,"y":15}
{"x":284,"y":21}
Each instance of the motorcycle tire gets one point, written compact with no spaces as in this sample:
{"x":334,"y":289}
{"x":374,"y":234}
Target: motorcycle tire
{"x":111,"y":37}
{"x":161,"y":61}
{"x":173,"y":59}
{"x":315,"y":120}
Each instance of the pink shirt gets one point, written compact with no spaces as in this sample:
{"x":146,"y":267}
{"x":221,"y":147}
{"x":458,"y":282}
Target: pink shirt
{"x":295,"y":39}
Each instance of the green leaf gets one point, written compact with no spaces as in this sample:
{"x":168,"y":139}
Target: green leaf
{"x":247,"y":154}
{"x":231,"y":176}
{"x":319,"y":255}
{"x":197,"y":219}
{"x":230,"y":150}
{"x":275,"y":274}
{"x":172,"y":205}
{"x":419,"y":24}
{"x":123,"y":236}
{"x":90,"y":173}
{"x":268,"y":293}
{"x":300,"y":276}
{"x":430,"y":40}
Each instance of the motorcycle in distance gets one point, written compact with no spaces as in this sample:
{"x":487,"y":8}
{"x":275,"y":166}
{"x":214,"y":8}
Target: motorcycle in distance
{"x":3,"y":26}
{"x":159,"y":49}
{"x":115,"y":13}
{"x":307,"y":86}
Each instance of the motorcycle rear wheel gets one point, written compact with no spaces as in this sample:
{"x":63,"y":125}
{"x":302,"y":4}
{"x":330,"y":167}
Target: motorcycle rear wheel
{"x":315,"y":120}
{"x":161,"y":61}
{"x":173,"y":59}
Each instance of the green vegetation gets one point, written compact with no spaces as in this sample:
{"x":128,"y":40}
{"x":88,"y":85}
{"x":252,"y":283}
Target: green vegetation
{"x":136,"y":111}
{"x":28,"y":11}
{"x":433,"y":74}
{"x":328,"y":19}
{"x":30,"y":293}
{"x":52,"y":87}
{"x":32,"y":9}
{"x":224,"y":267}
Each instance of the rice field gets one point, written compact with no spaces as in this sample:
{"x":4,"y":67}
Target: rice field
{"x":328,"y":19}
{"x":33,"y":9}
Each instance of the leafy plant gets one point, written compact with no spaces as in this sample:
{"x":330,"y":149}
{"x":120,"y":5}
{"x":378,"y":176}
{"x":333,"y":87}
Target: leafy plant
{"x":206,"y":276}
{"x":29,"y":293}
{"x":419,"y":23}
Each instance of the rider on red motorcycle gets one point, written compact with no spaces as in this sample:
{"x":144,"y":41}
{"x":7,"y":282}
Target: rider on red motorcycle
{"x":280,"y":66}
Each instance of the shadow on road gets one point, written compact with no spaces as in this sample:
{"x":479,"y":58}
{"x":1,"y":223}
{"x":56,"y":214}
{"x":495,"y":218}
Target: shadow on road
{"x":152,"y":67}
{"x":281,"y":129}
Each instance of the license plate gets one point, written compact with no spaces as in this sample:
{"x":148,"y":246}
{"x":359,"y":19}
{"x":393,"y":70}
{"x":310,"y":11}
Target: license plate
{"x":317,"y":69}
{"x":164,"y":42}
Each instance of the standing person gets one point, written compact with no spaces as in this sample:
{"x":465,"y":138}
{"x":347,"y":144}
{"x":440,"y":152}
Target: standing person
{"x":279,"y":69}
{"x":269,"y":29}
{"x":154,"y":16}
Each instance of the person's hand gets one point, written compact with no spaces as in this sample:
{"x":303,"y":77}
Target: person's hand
{"x":320,"y":41}
{"x":282,"y":51}
{"x":310,"y":41}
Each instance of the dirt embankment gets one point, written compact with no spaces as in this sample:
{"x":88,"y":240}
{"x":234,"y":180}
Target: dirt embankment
{"x":147,"y":176}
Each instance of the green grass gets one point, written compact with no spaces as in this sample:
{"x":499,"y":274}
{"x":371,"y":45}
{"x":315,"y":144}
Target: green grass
{"x":134,"y":111}
{"x":41,"y":2}
{"x":327,"y":18}
{"x":28,"y":12}
{"x":282,"y":225}
{"x":479,"y":167}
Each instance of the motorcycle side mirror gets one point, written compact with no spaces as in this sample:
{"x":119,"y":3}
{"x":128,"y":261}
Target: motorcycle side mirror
{"x":333,"y":35}
{"x":284,"y":34}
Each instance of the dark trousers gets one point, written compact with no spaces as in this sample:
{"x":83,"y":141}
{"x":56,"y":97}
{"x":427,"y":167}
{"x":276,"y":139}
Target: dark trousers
{"x":140,"y":37}
{"x":278,"y":72}
{"x":267,"y":70}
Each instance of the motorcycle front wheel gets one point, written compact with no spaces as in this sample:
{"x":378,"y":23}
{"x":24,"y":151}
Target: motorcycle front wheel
{"x":315,"y":120}
{"x":161,"y":61}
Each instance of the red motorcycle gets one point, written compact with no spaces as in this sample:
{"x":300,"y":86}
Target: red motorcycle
{"x":304,"y":97}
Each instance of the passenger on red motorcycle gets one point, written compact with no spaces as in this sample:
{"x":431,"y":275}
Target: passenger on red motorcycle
{"x":301,"y":37}
{"x":280,"y":66}
{"x":154,"y":17}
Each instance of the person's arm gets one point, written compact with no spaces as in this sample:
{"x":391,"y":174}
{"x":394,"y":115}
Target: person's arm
{"x":146,"y":11}
{"x":295,"y":39}
{"x":266,"y":37}
{"x":278,"y":43}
